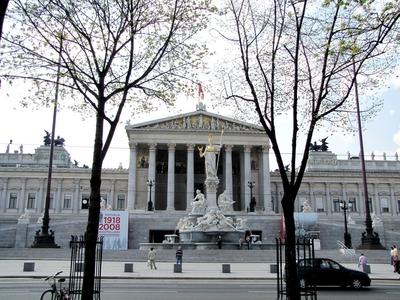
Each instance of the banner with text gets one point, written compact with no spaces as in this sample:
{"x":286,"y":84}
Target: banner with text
{"x":113,"y":227}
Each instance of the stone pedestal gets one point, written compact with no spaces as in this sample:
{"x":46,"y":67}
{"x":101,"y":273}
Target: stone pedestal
{"x":21,"y":235}
{"x":211,"y":186}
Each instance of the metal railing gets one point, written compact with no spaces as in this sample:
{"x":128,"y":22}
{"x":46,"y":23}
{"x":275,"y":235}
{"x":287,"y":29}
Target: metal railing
{"x":77,"y":245}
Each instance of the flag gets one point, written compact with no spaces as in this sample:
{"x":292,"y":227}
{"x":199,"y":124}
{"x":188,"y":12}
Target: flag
{"x":200,"y":91}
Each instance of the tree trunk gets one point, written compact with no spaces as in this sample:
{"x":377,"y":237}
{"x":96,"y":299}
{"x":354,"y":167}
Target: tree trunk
{"x":292,"y":283}
{"x":91,"y":233}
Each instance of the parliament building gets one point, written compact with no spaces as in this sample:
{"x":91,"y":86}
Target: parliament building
{"x":165,"y":170}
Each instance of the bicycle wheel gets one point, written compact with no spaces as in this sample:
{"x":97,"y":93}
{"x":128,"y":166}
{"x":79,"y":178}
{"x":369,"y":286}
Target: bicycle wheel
{"x":48,"y":295}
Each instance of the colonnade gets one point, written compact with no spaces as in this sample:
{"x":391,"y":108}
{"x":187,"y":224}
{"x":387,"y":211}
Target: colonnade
{"x":246,"y":174}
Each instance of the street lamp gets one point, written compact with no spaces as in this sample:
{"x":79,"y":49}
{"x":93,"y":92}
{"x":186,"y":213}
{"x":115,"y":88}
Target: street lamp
{"x":369,"y":238}
{"x":150,"y":184}
{"x":347,"y":236}
{"x":44,"y":239}
{"x":251,"y":185}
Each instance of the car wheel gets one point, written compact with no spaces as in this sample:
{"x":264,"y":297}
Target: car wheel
{"x":302,"y":283}
{"x":356,"y":283}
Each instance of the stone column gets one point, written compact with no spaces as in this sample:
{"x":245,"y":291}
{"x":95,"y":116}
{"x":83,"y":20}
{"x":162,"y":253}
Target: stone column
{"x":228,"y":171}
{"x":40,"y":205}
{"x":152,"y":174}
{"x":266,"y":183}
{"x":189,"y":176}
{"x":21,"y":199}
{"x":247,"y":175}
{"x":171,"y":177}
{"x":393,"y":210}
{"x":328,"y":199}
{"x":376,"y":203}
{"x":76,"y":203}
{"x":111,"y":202}
{"x":3,"y":203}
{"x":57,"y":197}
{"x":361,"y":199}
{"x":132,"y":176}
{"x":344,"y":194}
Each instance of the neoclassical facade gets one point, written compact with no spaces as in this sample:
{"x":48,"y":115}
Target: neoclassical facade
{"x":165,"y":153}
{"x":166,"y":169}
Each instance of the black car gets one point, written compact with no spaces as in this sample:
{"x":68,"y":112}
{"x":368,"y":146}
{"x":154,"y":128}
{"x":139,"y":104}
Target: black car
{"x":325,"y":271}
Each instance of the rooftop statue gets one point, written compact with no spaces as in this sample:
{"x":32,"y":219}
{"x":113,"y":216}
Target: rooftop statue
{"x":47,"y":139}
{"x":323,"y":147}
{"x":59,"y":141}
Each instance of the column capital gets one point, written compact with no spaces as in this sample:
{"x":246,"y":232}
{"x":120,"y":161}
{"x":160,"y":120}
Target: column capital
{"x":171,"y":146}
{"x":132,"y":145}
{"x":265,"y":148}
{"x":190,"y":147}
{"x":153,"y":146}
{"x":228,"y":148}
{"x":247,"y":148}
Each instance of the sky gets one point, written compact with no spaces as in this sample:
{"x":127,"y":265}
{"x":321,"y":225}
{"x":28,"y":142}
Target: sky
{"x":25,"y":126}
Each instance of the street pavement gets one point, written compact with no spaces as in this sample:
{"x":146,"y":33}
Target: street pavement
{"x":14,"y":268}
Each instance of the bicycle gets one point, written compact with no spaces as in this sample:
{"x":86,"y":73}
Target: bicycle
{"x":54,"y":293}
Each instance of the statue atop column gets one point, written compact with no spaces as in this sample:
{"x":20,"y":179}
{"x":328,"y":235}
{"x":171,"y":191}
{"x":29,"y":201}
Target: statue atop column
{"x":209,"y":153}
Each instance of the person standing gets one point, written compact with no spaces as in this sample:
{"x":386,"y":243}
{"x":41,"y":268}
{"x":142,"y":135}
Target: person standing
{"x":151,"y":256}
{"x":179,"y":255}
{"x":219,"y":242}
{"x":362,"y":262}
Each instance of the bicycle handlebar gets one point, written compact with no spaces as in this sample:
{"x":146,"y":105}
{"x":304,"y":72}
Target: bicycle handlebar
{"x":54,"y":276}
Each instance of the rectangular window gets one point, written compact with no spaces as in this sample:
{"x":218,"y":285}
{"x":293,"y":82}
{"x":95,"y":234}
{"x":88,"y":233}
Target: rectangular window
{"x":352,"y":204}
{"x":67,"y":204}
{"x":398,"y":205}
{"x":120,"y":202}
{"x":12,"y":203}
{"x":336,"y":204}
{"x":320,"y":204}
{"x":31,"y":201}
{"x":384,"y":205}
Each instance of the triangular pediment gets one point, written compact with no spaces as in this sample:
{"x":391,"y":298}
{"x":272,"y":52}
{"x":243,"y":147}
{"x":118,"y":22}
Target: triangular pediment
{"x":197,"y":120}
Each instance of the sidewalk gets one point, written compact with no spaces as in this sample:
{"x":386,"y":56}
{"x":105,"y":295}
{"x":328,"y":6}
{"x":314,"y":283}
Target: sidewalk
{"x":113,"y":269}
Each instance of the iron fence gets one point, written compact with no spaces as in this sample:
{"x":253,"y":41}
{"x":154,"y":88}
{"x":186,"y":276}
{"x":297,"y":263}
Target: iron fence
{"x":77,"y":245}
{"x":304,"y":250}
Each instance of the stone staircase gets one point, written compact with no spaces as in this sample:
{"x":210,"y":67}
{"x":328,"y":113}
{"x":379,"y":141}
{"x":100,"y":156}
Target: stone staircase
{"x":209,"y":256}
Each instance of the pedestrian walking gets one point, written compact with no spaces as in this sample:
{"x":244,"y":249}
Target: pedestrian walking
{"x":362,"y":262}
{"x":151,"y":259}
{"x":179,"y":255}
{"x":395,"y":258}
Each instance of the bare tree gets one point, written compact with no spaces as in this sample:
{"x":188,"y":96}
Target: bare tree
{"x":296,"y":60}
{"x":3,"y":9}
{"x":112,"y":53}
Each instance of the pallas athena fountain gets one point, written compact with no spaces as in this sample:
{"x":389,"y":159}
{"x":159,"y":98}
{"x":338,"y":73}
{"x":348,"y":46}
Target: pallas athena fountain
{"x":208,"y":221}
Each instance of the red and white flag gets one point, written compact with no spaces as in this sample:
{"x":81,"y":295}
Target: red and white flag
{"x":200,"y":91}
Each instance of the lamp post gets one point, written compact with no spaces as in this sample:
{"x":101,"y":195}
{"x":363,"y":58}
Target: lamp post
{"x":251,"y":185}
{"x":150,"y":184}
{"x":369,"y":238}
{"x":347,"y":236}
{"x":44,"y":239}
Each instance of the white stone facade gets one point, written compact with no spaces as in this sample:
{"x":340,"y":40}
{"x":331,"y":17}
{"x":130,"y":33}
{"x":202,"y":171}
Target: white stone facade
{"x":165,"y":152}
